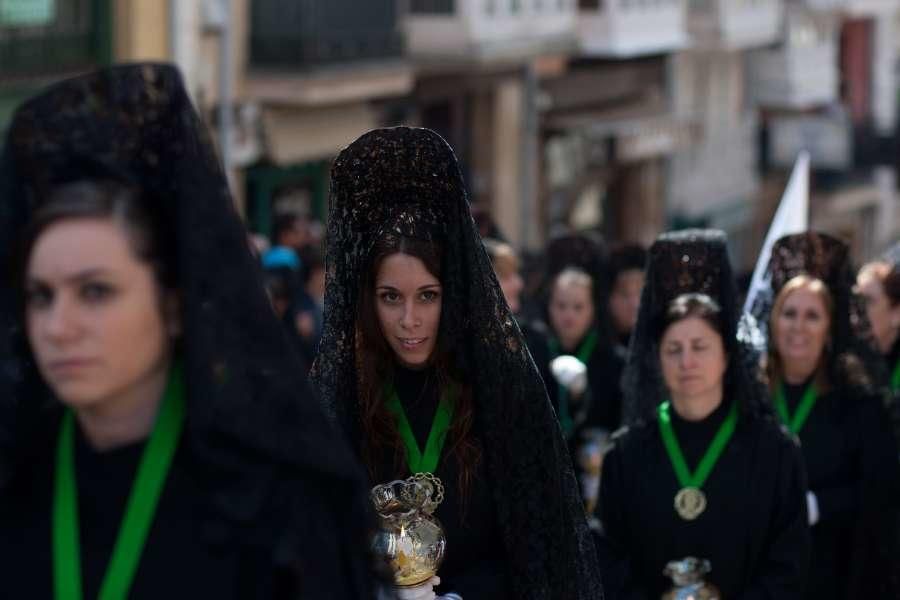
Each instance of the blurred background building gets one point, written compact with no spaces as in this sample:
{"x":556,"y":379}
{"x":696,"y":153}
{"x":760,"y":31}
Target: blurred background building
{"x":626,"y":117}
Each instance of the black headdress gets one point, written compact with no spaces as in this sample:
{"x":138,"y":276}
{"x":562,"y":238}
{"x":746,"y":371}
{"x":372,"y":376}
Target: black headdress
{"x":576,"y":250}
{"x":405,"y":181}
{"x":586,"y":253}
{"x":691,"y":261}
{"x":826,"y":258}
{"x":253,"y":426}
{"x":625,"y":258}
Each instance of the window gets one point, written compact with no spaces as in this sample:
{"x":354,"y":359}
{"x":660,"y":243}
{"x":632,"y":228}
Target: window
{"x":42,"y":37}
{"x":428,"y":7}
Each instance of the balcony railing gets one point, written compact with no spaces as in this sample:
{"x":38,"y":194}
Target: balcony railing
{"x":858,"y":8}
{"x":828,"y":137}
{"x":67,"y":36}
{"x":803,"y":71}
{"x":735,"y":24}
{"x":489,"y":28}
{"x":718,"y":169}
{"x":306,"y":34}
{"x":627,"y":28}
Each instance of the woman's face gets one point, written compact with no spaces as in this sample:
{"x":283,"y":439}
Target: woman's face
{"x":693,"y":358}
{"x":408,"y":304}
{"x":94,"y":314}
{"x":885,"y":319}
{"x":625,"y":299}
{"x":800,"y":329}
{"x":571,"y":312}
{"x":511,"y":283}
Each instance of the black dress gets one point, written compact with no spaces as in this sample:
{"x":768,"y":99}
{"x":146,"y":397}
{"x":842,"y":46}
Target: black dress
{"x":404,"y":183}
{"x":604,"y":370}
{"x":475,"y":562}
{"x":753,"y":530}
{"x":851,"y":462}
{"x":259,"y":466}
{"x":892,"y":361}
{"x":190,"y":552}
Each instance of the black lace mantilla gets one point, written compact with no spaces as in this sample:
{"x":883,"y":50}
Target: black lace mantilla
{"x":588,"y":253}
{"x":253,"y":425}
{"x":827,"y":258}
{"x":691,"y":261}
{"x":407,"y":181}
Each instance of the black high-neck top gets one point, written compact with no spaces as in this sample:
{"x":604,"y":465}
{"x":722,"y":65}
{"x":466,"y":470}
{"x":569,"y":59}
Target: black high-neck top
{"x":753,"y":530}
{"x":851,"y":464}
{"x":475,"y":563}
{"x":181,"y":557}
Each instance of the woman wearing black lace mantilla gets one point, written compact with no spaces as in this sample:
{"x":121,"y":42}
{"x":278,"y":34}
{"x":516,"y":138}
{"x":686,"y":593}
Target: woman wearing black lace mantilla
{"x":828,"y":387}
{"x":704,"y":471}
{"x":158,"y":439}
{"x":424,"y":366}
{"x":878,"y":282}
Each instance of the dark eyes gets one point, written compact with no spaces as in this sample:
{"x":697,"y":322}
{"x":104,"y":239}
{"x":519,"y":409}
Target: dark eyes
{"x":673,"y":350}
{"x":41,"y":296}
{"x":38,"y":296}
{"x":792,"y":313}
{"x":394,"y":298}
{"x":95,"y":292}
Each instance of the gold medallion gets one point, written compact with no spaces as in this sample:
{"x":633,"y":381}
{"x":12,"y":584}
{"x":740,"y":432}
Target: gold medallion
{"x":690,"y":502}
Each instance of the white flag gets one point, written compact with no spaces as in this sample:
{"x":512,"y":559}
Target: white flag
{"x":792,"y":216}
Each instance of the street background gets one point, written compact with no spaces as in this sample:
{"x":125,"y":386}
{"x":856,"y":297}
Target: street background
{"x":622,"y":117}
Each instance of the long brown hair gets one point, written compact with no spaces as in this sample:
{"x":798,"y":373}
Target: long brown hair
{"x":774,"y":364}
{"x":375,"y":364}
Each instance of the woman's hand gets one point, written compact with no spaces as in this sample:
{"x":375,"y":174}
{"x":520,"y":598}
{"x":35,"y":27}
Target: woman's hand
{"x":571,"y":373}
{"x":423,"y":591}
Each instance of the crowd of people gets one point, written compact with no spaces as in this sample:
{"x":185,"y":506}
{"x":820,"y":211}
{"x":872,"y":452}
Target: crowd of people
{"x":192,"y":411}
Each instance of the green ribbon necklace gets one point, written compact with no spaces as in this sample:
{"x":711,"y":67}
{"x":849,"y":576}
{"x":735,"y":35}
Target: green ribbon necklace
{"x":418,"y":461}
{"x":585,"y":350}
{"x":690,"y":501}
{"x":139,"y":511}
{"x":795,"y":423}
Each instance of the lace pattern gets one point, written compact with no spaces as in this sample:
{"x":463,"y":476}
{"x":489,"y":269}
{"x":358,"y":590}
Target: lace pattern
{"x":406,"y":181}
{"x":690,"y":261}
{"x":249,"y":408}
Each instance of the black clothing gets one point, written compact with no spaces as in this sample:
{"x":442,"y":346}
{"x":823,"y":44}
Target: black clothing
{"x":753,"y":530}
{"x":851,"y":462}
{"x":603,"y":399}
{"x":692,"y":261}
{"x":604,"y":379}
{"x":405,"y":183}
{"x":537,"y":340}
{"x":826,"y":258}
{"x":184,"y":556}
{"x":892,"y":362}
{"x":475,"y":563}
{"x":586,"y":252}
{"x":267,"y":461}
{"x":848,"y":447}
